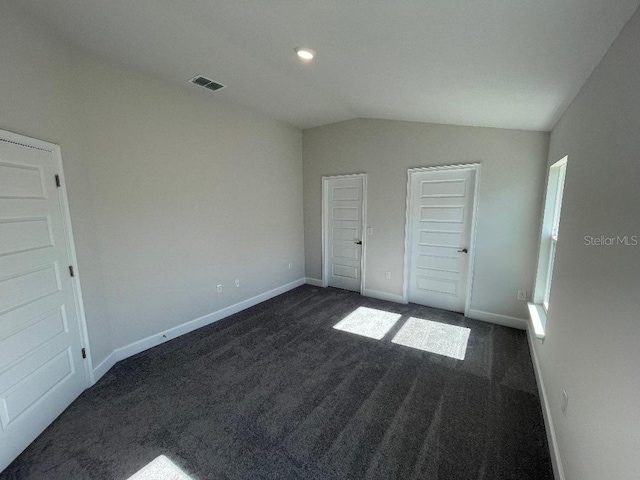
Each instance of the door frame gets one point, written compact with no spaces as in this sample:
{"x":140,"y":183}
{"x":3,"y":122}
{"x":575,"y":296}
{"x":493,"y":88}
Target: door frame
{"x":30,"y":142}
{"x":472,"y":240}
{"x":325,"y":226}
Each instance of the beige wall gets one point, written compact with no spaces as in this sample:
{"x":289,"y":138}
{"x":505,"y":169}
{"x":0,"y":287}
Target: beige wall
{"x":511,"y":186}
{"x":592,"y":345}
{"x":171,"y":190}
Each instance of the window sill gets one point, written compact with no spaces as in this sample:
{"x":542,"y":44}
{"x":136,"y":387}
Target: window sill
{"x":538,"y":319}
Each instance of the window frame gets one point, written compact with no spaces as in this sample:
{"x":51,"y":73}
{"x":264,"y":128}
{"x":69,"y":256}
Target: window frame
{"x":539,"y":308}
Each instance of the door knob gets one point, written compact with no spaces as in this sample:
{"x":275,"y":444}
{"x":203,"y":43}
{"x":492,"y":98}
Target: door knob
{"x":464,"y":250}
{"x":359,"y":242}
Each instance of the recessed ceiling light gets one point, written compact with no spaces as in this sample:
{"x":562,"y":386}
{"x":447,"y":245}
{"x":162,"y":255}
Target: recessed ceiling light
{"x":305,"y":54}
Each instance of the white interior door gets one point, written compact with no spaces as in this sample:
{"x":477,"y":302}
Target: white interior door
{"x":441,"y":207}
{"x":41,"y":365}
{"x":344,"y":201}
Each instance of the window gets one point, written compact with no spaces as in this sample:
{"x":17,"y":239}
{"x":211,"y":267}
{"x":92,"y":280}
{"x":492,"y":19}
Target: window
{"x":549,"y":239}
{"x":556,"y":175}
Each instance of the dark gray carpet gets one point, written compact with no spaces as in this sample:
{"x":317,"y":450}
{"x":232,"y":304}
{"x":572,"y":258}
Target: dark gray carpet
{"x":275,"y":392}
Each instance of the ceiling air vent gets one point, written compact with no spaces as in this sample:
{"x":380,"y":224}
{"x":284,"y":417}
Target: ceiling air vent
{"x":206,"y":83}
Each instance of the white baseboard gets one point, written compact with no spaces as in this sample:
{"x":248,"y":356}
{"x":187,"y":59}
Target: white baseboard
{"x":505,"y":320}
{"x":390,"y":297}
{"x":104,"y":366}
{"x":161,"y":337}
{"x":554,"y":452}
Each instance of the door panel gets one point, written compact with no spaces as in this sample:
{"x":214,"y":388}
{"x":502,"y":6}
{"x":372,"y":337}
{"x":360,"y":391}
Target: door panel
{"x":344,"y":206}
{"x":41,"y":366}
{"x":440,"y":218}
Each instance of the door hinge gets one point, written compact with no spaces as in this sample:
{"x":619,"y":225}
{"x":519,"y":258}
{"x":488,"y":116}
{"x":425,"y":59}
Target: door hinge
{"x":84,"y":353}
{"x":71,"y":271}
{"x":57,"y":180}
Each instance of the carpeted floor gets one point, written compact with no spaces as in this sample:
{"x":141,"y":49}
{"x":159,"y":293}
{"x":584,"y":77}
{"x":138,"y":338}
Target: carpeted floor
{"x":275,"y":392}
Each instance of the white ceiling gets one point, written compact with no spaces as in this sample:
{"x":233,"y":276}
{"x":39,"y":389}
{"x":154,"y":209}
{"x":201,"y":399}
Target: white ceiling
{"x":495,"y":63}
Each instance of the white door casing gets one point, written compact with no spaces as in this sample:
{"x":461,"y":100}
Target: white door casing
{"x":344,"y":217}
{"x":42,"y":330}
{"x":440,"y":233}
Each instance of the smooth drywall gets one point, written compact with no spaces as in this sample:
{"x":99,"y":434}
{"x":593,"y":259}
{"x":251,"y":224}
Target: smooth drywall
{"x":511,"y":185}
{"x":172,"y":191}
{"x":592,"y":345}
{"x":38,"y":72}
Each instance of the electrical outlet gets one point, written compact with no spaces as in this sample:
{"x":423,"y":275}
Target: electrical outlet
{"x":237,"y":282}
{"x":219,"y":288}
{"x":565,"y":402}
{"x":387,"y":274}
{"x":522,"y":295}
{"x":369,"y":231}
{"x":290,"y":265}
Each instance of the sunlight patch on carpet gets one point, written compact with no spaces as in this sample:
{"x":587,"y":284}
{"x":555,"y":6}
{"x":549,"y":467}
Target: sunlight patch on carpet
{"x":368,"y":322}
{"x":434,"y":337}
{"x":160,"y":468}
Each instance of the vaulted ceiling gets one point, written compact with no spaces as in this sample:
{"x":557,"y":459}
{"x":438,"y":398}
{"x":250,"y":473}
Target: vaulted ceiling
{"x":510,"y":64}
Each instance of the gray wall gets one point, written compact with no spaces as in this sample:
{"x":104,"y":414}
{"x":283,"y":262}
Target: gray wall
{"x":592,"y":345}
{"x":171,"y":190}
{"x":511,"y":188}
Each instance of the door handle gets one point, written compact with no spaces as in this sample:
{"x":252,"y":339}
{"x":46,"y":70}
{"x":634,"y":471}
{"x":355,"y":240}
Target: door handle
{"x":359,"y":242}
{"x":464,"y":250}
